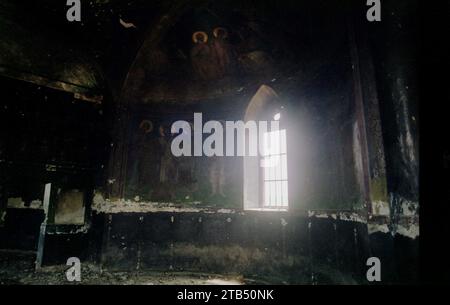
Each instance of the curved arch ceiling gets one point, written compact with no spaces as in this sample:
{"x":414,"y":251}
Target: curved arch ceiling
{"x":172,"y":67}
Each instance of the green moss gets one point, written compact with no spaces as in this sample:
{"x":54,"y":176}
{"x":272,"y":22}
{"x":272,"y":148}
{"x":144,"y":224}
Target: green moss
{"x":378,"y":189}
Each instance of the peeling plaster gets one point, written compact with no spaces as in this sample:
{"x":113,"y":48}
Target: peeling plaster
{"x":18,"y":203}
{"x":345,"y":216}
{"x":411,"y":230}
{"x":102,"y":205}
{"x":380,"y":208}
{"x":374,"y":228}
{"x":409,"y":208}
{"x":408,"y":227}
{"x":78,"y":229}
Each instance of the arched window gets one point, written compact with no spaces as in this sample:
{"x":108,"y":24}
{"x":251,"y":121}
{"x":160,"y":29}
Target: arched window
{"x":266,"y":175}
{"x":274,"y":169}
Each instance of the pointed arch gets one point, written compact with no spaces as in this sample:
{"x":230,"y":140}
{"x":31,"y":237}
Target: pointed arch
{"x":257,"y":188}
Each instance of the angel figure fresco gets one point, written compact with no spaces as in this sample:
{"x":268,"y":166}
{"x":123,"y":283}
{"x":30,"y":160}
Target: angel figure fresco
{"x":223,"y":51}
{"x":202,"y":57}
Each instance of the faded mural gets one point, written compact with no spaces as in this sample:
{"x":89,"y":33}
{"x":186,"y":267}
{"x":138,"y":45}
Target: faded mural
{"x":154,"y":174}
{"x":208,"y":61}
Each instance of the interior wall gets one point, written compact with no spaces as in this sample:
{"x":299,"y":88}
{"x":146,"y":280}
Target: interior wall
{"x":319,"y":106}
{"x":128,"y":231}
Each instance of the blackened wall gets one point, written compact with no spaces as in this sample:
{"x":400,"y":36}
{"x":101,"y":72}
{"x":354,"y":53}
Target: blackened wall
{"x":395,"y":48}
{"x":272,"y":247}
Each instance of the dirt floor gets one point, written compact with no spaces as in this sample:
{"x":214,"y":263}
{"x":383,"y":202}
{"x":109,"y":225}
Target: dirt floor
{"x":17,"y":268}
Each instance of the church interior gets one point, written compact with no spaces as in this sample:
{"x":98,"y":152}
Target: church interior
{"x":87,"y":168}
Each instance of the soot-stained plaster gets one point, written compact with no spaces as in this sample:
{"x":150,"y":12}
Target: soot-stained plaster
{"x":354,"y":168}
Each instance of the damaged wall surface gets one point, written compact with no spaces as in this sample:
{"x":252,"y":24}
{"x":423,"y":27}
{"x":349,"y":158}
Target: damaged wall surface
{"x":97,"y":128}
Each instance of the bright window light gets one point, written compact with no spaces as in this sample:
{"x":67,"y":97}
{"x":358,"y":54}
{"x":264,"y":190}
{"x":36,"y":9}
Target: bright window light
{"x":274,"y":170}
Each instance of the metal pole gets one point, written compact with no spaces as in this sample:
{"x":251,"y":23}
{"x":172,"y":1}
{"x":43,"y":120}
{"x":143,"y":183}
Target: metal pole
{"x":41,"y":242}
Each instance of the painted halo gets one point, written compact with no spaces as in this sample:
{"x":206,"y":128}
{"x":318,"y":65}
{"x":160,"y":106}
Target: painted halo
{"x":146,"y":126}
{"x":216,"y":32}
{"x":203,"y":34}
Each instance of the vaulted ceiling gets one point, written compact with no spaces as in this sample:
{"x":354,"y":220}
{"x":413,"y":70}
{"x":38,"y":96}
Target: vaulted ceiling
{"x":144,"y":51}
